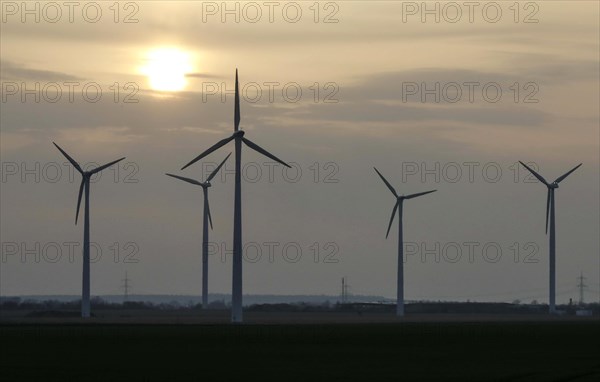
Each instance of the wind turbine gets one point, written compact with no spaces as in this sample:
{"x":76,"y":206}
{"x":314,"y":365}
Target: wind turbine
{"x":398,"y":207}
{"x":238,"y":137}
{"x":85,"y":186}
{"x":206,"y":219}
{"x":550,"y":214}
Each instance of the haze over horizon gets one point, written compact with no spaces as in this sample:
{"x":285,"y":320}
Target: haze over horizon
{"x":331,"y":207}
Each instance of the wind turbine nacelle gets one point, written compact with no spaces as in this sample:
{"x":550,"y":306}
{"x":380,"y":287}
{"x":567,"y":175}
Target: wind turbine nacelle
{"x":240,"y":133}
{"x":553,"y":185}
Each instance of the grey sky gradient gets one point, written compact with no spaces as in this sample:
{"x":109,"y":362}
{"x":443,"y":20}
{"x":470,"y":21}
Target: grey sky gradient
{"x":368,"y":54}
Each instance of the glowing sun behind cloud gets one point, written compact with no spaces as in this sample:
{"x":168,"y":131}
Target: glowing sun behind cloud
{"x":166,"y":69}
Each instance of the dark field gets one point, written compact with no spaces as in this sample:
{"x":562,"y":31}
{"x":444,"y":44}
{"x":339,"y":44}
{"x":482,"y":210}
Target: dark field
{"x":308,"y":348}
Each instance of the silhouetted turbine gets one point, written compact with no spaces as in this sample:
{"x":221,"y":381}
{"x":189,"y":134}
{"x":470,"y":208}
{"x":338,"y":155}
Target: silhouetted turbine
{"x":85,"y":185}
{"x":398,"y":207}
{"x":550,"y":218}
{"x":206,"y":219}
{"x":238,"y":137}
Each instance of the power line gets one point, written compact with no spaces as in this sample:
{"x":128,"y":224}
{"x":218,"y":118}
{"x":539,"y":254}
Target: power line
{"x":581,"y":287}
{"x":509,"y":294}
{"x":345,"y":288}
{"x":125,"y":286}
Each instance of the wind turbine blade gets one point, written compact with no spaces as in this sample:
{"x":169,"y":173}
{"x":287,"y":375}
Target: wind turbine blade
{"x":79,"y":199}
{"x":98,"y":169}
{"x":540,"y":178}
{"x":209,"y":216}
{"x":386,"y":183}
{"x":418,"y":194}
{"x":547,"y":209}
{"x":192,"y":181}
{"x":236,"y":121}
{"x":75,"y":164}
{"x":212,"y":175}
{"x":264,"y":152}
{"x":392,"y":219}
{"x":561,"y":178}
{"x":216,"y":146}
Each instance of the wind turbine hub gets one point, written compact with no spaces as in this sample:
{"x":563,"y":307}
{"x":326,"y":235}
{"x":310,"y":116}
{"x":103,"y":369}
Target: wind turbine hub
{"x":554,"y":185}
{"x":239,"y":133}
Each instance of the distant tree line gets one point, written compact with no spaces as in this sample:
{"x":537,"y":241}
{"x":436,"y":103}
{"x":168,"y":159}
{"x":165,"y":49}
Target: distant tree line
{"x":17,"y":303}
{"x":426,"y":307}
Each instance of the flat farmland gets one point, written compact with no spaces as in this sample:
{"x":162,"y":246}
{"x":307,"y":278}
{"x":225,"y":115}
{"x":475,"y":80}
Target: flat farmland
{"x":300,"y":347}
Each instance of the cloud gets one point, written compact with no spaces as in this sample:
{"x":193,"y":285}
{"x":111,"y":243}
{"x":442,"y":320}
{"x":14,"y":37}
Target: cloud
{"x":192,"y":129}
{"x":13,"y":71}
{"x":202,"y":75}
{"x":16,"y":141}
{"x":99,"y":134}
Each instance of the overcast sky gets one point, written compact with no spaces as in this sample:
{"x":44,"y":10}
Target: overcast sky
{"x":371,"y":63}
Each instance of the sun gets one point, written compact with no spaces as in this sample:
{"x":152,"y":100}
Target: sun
{"x":166,"y":69}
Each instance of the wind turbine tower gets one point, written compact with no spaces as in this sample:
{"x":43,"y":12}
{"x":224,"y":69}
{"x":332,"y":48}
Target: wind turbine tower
{"x":550,"y":220}
{"x":398,"y":206}
{"x":207,"y":218}
{"x":84,"y":187}
{"x":238,"y":138}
